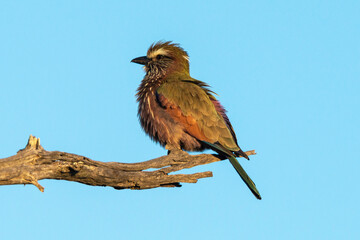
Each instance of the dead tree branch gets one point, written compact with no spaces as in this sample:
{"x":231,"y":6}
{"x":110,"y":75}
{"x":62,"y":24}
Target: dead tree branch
{"x":34,"y":163}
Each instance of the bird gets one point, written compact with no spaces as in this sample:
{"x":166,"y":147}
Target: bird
{"x":182,"y":113}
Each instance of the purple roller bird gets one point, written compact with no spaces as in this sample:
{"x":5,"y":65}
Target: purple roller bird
{"x":180,"y":112}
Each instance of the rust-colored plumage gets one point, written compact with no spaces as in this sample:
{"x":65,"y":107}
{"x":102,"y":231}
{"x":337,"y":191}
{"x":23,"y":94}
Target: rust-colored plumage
{"x":180,"y":112}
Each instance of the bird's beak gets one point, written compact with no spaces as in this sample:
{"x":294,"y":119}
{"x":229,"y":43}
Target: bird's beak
{"x":141,"y":60}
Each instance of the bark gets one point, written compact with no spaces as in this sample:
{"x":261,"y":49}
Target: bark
{"x":34,"y":163}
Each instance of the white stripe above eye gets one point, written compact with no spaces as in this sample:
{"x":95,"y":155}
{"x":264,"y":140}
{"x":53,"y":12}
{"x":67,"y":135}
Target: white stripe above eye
{"x":160,"y":51}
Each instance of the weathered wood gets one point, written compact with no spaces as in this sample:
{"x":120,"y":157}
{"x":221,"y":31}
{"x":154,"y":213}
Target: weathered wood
{"x":34,"y":163}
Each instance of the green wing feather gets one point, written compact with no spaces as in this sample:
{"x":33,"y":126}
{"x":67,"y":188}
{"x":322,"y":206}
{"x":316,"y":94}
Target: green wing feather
{"x":194,"y":101}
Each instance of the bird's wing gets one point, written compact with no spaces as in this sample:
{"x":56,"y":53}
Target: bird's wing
{"x":193,"y":107}
{"x":221,"y":112}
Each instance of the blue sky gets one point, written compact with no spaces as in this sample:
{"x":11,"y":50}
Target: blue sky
{"x":287,"y":71}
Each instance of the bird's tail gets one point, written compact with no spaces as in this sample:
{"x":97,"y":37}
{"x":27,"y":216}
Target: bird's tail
{"x":237,"y":166}
{"x":244,"y":176}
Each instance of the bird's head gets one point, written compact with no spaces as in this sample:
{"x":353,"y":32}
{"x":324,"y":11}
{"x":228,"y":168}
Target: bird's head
{"x":164,"y":58}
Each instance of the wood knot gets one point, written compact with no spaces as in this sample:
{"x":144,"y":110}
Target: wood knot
{"x":71,"y":168}
{"x":77,"y":166}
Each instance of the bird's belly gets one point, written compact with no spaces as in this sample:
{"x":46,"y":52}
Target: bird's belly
{"x":163,"y":128}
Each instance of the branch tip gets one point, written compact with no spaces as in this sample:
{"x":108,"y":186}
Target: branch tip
{"x":41,"y":188}
{"x":34,"y":182}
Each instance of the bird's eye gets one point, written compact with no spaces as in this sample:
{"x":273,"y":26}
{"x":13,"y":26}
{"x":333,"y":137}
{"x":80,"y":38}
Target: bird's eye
{"x":159,"y":57}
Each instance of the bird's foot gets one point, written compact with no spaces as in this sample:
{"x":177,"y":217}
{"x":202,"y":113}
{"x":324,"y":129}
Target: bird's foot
{"x":175,"y":151}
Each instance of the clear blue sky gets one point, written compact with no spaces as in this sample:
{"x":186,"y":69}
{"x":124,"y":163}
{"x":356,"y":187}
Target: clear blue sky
{"x":288,"y":72}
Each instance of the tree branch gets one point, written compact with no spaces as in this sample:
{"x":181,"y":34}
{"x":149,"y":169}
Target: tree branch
{"x":34,"y":163}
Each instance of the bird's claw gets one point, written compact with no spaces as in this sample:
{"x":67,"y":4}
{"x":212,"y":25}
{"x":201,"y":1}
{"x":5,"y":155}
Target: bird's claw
{"x":177,"y":152}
